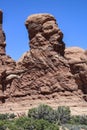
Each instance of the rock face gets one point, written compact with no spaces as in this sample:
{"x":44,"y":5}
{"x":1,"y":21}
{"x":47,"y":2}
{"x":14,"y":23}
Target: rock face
{"x":77,"y":59}
{"x":6,"y":63}
{"x":44,"y":33}
{"x":48,"y":69}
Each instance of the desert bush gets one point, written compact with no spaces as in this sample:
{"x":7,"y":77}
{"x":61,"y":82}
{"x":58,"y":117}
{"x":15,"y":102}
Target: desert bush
{"x":62,"y":115}
{"x":33,"y":113}
{"x":52,"y":127}
{"x":44,"y":118}
{"x":25,"y":123}
{"x":40,"y":125}
{"x":12,"y":115}
{"x":7,"y":116}
{"x":79,"y":119}
{"x":42,"y":112}
{"x":83,"y":120}
{"x":21,"y":121}
{"x":73,"y":127}
{"x":11,"y":126}
{"x":45,"y":125}
{"x":4,"y":116}
{"x":2,"y":127}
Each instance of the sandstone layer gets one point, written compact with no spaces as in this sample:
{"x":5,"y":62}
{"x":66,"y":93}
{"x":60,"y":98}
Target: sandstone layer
{"x":48,"y":70}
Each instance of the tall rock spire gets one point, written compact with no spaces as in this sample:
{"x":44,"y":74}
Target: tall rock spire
{"x":2,"y":36}
{"x":44,"y":33}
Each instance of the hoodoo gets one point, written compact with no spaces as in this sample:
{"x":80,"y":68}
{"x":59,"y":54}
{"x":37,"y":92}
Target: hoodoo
{"x":48,"y":71}
{"x":44,"y":33}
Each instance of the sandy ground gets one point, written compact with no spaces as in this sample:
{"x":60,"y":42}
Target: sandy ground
{"x":77,"y":105}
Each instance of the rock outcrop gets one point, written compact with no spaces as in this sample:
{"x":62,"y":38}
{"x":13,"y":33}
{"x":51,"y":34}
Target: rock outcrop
{"x":6,"y":62}
{"x":77,"y":59}
{"x":48,"y":69}
{"x":44,"y":33}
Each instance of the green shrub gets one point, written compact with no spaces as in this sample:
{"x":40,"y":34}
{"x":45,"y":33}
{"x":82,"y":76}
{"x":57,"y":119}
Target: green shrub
{"x":79,"y":119}
{"x":73,"y":127}
{"x":21,"y":121}
{"x":52,"y":127}
{"x":42,"y":112}
{"x":40,"y":125}
{"x":2,"y":127}
{"x":44,"y":118}
{"x":45,"y":125}
{"x":83,"y":119}
{"x":33,"y":113}
{"x":16,"y":124}
{"x":11,"y":116}
{"x":4,"y":116}
{"x":62,"y":115}
{"x":7,"y":116}
{"x":25,"y":123}
{"x":11,"y":126}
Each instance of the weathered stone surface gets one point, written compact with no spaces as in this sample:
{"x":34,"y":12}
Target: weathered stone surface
{"x":48,"y":70}
{"x":77,"y":58}
{"x":6,"y":63}
{"x":44,"y":33}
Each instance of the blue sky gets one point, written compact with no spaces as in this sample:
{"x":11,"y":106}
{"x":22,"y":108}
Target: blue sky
{"x":71,"y":16}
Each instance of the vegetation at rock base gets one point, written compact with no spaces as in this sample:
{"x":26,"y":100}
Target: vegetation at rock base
{"x":7,"y":116}
{"x":59,"y":116}
{"x":62,"y":115}
{"x":42,"y":112}
{"x":44,"y":117}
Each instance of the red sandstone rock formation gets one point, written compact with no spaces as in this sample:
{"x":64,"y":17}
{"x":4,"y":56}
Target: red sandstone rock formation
{"x":6,"y":63}
{"x":46,"y":70}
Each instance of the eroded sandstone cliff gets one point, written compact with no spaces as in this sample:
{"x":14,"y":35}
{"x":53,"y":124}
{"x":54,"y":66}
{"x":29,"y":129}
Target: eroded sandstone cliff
{"x":47,"y":70}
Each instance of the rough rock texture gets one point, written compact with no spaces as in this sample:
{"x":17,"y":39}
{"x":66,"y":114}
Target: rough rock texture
{"x":6,"y":63}
{"x":48,"y":69}
{"x":44,"y":33}
{"x":77,"y":59}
